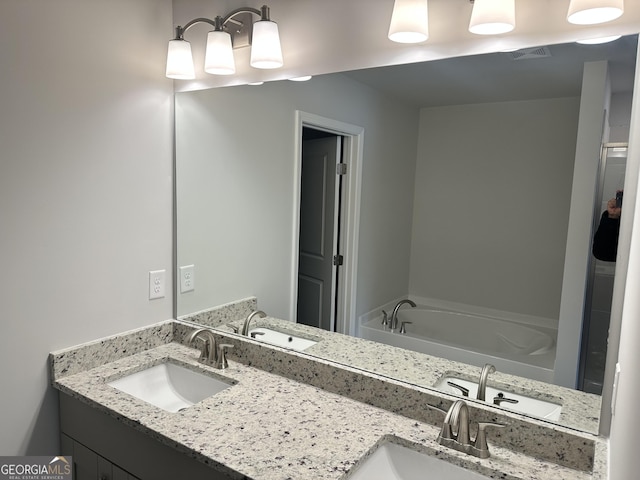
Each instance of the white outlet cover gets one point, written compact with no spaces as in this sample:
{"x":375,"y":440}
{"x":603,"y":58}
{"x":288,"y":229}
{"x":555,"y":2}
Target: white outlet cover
{"x":187,"y":278}
{"x":156,"y":284}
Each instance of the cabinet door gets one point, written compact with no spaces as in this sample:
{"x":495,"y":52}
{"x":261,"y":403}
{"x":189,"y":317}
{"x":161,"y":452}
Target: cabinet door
{"x":88,"y":465}
{"x":105,"y":469}
{"x":110,"y":471}
{"x":85,"y":463}
{"x":119,"y":474}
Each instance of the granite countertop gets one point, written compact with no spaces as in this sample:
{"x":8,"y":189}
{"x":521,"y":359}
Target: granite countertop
{"x":266,"y":426}
{"x":580,"y":410}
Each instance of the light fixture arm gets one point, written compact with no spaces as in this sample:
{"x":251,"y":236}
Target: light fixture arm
{"x":255,"y":11}
{"x":180,"y":30}
{"x":235,"y":30}
{"x":220,"y":22}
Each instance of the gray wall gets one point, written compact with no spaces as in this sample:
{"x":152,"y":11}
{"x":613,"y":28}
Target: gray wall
{"x":493,"y":184}
{"x":235,"y":174}
{"x":85,"y":190}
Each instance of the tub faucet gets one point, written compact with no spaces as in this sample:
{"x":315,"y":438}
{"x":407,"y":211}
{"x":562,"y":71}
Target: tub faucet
{"x":209,"y":351}
{"x":457,"y":419}
{"x":245,"y":325}
{"x":482,"y":383}
{"x":393,"y":322}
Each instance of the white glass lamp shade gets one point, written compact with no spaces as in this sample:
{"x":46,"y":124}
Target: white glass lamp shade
{"x":180,"y":60}
{"x":590,"y":12}
{"x":265,"y":47}
{"x":409,"y":21}
{"x":218,"y":59}
{"x":492,"y":17}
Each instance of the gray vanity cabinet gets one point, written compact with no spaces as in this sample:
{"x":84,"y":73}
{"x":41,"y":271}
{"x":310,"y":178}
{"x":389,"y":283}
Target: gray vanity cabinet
{"x":104,"y":448}
{"x":88,"y":465}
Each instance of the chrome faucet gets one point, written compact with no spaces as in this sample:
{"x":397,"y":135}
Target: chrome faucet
{"x":245,"y":325}
{"x":393,"y":323}
{"x":209,"y":351}
{"x":482,"y":383}
{"x":457,"y":419}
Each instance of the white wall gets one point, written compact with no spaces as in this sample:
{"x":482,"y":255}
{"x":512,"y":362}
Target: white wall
{"x":619,"y":116}
{"x":493,"y":183}
{"x":625,"y":423}
{"x":85,"y":190}
{"x":593,"y":130}
{"x":236,"y":168}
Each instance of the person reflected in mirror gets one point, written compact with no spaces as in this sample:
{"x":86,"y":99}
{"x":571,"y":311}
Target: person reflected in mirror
{"x":605,"y":241}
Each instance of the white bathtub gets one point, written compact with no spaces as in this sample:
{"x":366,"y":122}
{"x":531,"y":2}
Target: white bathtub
{"x":514,"y":348}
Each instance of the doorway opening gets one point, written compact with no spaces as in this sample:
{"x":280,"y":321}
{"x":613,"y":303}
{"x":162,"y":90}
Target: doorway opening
{"x":320,"y":257}
{"x":600,"y":277}
{"x":326,"y":210}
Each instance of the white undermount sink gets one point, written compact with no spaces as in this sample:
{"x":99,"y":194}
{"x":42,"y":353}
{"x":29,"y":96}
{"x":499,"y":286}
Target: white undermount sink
{"x":170,"y":386}
{"x":392,"y":461}
{"x":281,"y":339}
{"x":527,"y":405}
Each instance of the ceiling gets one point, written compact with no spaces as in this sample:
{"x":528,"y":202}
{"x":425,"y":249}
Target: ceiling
{"x":552,"y":72}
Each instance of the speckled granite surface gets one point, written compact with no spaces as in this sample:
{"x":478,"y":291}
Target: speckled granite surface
{"x":223,"y":314}
{"x":532,"y":437}
{"x":84,"y":370}
{"x":267,"y":426}
{"x":580,"y":410}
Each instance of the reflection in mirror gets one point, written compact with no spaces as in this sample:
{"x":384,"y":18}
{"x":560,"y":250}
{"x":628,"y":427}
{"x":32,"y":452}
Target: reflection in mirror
{"x":467,"y":173}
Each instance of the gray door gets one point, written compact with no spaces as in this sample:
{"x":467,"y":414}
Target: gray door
{"x":318,"y":232}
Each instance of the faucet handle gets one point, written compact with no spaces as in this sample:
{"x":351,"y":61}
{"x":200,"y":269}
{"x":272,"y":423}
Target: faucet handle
{"x":221,"y":362}
{"x":446,"y":428}
{"x":385,"y":318}
{"x":481,"y":438}
{"x":464,"y":391}
{"x":403,"y":329}
{"x":498,"y":399}
{"x":233,"y":327}
{"x":433,"y":407}
{"x":446,"y":431}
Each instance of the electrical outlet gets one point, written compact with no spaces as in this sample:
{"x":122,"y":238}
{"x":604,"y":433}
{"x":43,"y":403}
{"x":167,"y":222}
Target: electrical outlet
{"x":156,"y":284}
{"x":187,"y":279}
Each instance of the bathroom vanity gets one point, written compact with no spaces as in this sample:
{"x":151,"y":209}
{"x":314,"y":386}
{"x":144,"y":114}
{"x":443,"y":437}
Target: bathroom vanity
{"x":284,"y":415}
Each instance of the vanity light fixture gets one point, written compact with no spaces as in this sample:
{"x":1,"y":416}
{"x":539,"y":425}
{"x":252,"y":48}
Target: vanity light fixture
{"x":409,"y":21}
{"x":590,"y":12}
{"x":492,"y":17}
{"x":233,"y":29}
{"x":304,"y":78}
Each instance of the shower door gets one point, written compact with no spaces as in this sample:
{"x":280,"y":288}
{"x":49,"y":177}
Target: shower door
{"x":597,"y":311}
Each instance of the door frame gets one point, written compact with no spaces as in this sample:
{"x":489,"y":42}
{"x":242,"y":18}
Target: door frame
{"x":353,"y":136}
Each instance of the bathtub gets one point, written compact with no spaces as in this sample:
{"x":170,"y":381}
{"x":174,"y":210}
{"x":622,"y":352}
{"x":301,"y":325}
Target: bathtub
{"x":513,"y":348}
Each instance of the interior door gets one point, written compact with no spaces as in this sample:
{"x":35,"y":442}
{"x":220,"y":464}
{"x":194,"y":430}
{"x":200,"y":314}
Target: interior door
{"x":318,"y":232}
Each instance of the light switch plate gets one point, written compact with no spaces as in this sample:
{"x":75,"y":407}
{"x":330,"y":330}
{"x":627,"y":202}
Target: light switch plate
{"x":187,"y":279}
{"x":156,"y":284}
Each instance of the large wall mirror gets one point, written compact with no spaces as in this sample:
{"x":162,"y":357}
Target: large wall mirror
{"x":465,"y":170}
